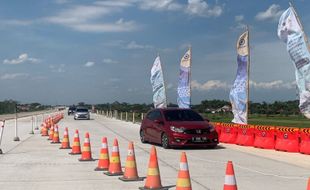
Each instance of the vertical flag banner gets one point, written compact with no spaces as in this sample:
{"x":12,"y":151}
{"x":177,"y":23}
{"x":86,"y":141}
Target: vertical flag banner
{"x":238,"y":94}
{"x":290,"y":31}
{"x":158,"y":85}
{"x":184,"y":88}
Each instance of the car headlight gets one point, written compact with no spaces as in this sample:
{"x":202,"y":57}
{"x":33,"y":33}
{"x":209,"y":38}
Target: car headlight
{"x":176,"y":129}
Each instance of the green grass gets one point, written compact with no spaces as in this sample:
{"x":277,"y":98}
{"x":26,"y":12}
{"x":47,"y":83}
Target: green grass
{"x":256,"y":119}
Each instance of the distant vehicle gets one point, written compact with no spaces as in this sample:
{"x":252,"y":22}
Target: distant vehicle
{"x":81,"y":113}
{"x":71,"y":110}
{"x":175,"y":127}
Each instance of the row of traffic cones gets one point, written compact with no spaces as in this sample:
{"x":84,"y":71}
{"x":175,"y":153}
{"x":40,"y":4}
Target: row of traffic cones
{"x":112,"y":163}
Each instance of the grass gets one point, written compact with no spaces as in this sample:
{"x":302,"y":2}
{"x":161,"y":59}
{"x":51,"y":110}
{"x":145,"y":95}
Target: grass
{"x":274,"y":120}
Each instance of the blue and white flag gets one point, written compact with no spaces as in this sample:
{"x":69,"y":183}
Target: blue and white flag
{"x":290,"y":31}
{"x":184,"y":88}
{"x":158,"y":85}
{"x":238,"y":93}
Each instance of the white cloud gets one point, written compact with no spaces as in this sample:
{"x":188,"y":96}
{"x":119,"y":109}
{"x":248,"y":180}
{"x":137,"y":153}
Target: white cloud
{"x":135,"y":45}
{"x":210,"y":85}
{"x":22,"y":58}
{"x":201,"y":8}
{"x":14,"y":76}
{"x":239,"y":18}
{"x":160,"y":5}
{"x":58,"y":68}
{"x":277,"y":84}
{"x":169,"y":86}
{"x":109,"y":61}
{"x":87,"y":18}
{"x":217,"y":84}
{"x":239,"y":23}
{"x":273,"y":13}
{"x":115,"y":3}
{"x":15,"y":22}
{"x":89,"y":64}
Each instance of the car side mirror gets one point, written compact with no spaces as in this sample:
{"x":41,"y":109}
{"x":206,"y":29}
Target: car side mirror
{"x":206,"y":119}
{"x":159,"y":122}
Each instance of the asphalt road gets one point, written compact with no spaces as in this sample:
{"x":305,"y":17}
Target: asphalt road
{"x":34,"y":163}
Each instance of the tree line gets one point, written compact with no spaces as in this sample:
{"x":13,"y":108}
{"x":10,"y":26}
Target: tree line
{"x":284,"y":108}
{"x":11,"y":106}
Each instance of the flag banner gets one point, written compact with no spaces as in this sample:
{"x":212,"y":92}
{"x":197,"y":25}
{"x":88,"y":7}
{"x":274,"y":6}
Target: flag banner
{"x":238,"y":93}
{"x":289,"y":30}
{"x":158,"y":85}
{"x":184,"y":89}
{"x":288,"y":24}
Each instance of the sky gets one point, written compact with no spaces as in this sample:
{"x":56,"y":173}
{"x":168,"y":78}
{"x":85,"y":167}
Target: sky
{"x":70,"y":51}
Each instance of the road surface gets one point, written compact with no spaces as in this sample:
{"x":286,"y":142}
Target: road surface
{"x":34,"y":163}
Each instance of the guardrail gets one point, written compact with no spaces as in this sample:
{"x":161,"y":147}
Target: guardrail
{"x":133,"y":117}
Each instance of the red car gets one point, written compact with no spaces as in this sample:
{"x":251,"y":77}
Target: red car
{"x":174,"y":127}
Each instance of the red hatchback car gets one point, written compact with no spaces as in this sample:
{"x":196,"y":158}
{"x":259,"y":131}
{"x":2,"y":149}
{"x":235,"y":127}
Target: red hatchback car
{"x":175,"y":127}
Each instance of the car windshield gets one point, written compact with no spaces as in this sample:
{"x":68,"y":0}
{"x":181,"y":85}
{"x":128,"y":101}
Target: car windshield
{"x":72,"y":108}
{"x":81,"y":110}
{"x":182,"y":115}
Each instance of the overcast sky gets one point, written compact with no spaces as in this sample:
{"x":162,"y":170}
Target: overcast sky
{"x":68,"y":51}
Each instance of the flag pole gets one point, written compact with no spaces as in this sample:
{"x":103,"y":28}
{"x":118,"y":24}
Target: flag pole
{"x":301,"y":26}
{"x":190,"y":76}
{"x":248,"y":74}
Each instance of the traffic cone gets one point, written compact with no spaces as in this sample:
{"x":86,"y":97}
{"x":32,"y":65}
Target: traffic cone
{"x":184,"y":180}
{"x":308,"y":188}
{"x":44,"y":130}
{"x":131,"y":173}
{"x":51,"y":135}
{"x":115,"y":167}
{"x":76,"y":148}
{"x":65,"y":144}
{"x":153,"y":174}
{"x":230,"y":180}
{"x":55,"y":136}
{"x":103,"y":162}
{"x":86,"y":151}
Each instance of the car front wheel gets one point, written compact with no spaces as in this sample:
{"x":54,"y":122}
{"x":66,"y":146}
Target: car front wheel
{"x":165,"y":141}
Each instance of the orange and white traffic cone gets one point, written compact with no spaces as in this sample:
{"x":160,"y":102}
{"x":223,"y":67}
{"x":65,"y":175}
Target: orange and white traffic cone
{"x":103,"y":162}
{"x":308,"y":188}
{"x":76,"y":147}
{"x":51,"y":135}
{"x":153,"y":175}
{"x":56,"y":136}
{"x":86,"y":151}
{"x":65,"y":144}
{"x":44,"y":130}
{"x":184,"y":180}
{"x":131,"y":172}
{"x":230,"y":180}
{"x":115,"y":167}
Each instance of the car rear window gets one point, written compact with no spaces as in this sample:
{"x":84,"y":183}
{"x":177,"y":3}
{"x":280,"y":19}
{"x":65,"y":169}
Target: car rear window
{"x":182,"y":115}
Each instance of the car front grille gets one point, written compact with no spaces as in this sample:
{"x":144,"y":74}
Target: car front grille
{"x":197,"y":131}
{"x":82,"y":116}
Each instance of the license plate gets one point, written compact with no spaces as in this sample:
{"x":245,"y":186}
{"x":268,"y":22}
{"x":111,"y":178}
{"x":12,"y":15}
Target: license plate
{"x":199,"y":139}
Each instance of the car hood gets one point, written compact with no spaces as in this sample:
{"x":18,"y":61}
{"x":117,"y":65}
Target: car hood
{"x":81,"y":112}
{"x":190,"y":124}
